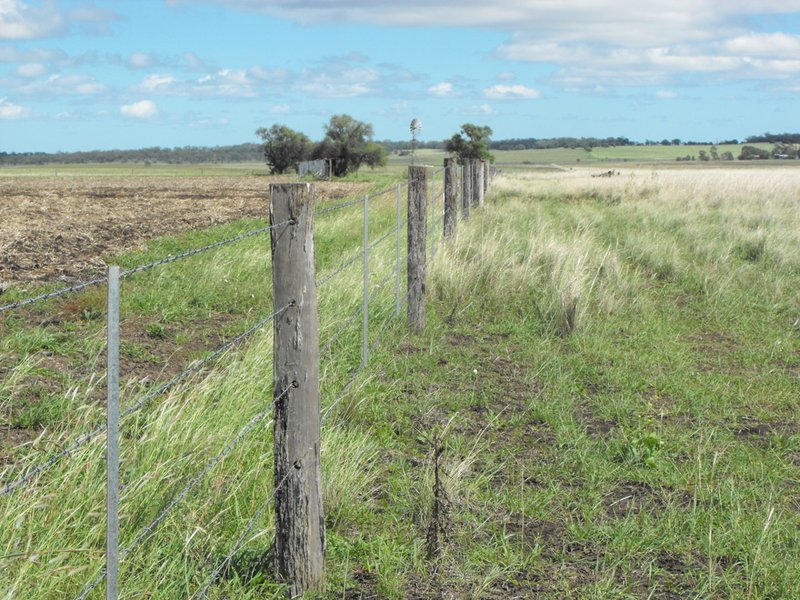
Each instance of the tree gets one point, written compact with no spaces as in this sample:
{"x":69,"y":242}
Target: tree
{"x":374,"y":155}
{"x":474,"y":145}
{"x":345,"y":143}
{"x":284,"y":147}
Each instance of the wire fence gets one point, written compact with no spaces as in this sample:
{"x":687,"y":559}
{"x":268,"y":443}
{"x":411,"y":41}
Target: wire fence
{"x":373,"y":288}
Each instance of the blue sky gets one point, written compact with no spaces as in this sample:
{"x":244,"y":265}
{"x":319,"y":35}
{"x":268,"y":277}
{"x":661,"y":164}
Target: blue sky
{"x":103,"y":74}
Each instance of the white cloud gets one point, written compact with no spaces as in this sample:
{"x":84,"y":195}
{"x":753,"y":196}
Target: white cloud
{"x":279,"y":109}
{"x":41,"y":19}
{"x":511,"y":92}
{"x":589,"y":43}
{"x":19,"y":21}
{"x":11,"y":111}
{"x":158,"y":84}
{"x":71,"y":84}
{"x":666,"y":94}
{"x":31,"y":70}
{"x":441,"y":89}
{"x":141,"y":60}
{"x":144,"y":109}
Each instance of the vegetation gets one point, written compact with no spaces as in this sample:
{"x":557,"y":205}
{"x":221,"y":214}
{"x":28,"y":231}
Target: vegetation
{"x":345,"y":143}
{"x":471,"y":143}
{"x":284,"y":147}
{"x":605,"y":393}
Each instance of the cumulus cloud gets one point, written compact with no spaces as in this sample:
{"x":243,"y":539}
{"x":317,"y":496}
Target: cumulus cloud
{"x":441,"y":89}
{"x":9,"y":111}
{"x":20,"y":21}
{"x":511,"y":92}
{"x":141,"y":60}
{"x":70,"y":84}
{"x":602,"y":42}
{"x":144,"y":109}
{"x":34,"y":20}
{"x":31,"y":70}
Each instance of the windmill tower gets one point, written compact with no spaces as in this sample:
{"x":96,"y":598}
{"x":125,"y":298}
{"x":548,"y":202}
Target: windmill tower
{"x":416,"y":125}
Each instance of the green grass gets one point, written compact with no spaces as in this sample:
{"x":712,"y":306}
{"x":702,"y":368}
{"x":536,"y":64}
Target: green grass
{"x":608,"y":375}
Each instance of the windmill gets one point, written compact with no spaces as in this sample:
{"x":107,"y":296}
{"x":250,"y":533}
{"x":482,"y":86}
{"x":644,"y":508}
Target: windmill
{"x":416,"y":125}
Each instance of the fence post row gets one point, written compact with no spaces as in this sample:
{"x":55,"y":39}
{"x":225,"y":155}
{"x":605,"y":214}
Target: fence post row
{"x":365,"y":299}
{"x":450,"y":197}
{"x":466,"y":188}
{"x":300,"y":529}
{"x":417,"y":233}
{"x":112,"y":437}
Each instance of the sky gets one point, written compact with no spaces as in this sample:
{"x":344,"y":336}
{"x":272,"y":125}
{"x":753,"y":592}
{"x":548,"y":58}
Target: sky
{"x":119,"y":74}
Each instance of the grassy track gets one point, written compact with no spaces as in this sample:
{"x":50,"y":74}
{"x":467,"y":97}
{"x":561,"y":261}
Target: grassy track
{"x":607,"y":387}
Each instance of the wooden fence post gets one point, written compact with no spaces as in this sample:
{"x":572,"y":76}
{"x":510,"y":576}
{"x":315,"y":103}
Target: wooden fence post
{"x":477,"y":182}
{"x":450,"y":197}
{"x":486,"y":178}
{"x":466,"y":188}
{"x":417,"y":233}
{"x":300,"y":529}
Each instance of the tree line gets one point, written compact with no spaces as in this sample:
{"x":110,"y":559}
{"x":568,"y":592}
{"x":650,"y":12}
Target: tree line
{"x":349,"y":144}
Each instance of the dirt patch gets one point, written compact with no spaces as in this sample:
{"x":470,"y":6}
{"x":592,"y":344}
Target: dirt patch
{"x":62,"y":229}
{"x":632,"y":498}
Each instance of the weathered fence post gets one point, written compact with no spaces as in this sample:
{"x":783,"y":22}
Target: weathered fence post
{"x":112,"y":438}
{"x":466,"y":188}
{"x":450,"y":197}
{"x":433,"y":214}
{"x":417,"y":232}
{"x":365,"y":299}
{"x":398,"y":298}
{"x":477,"y":182}
{"x":299,"y":525}
{"x":485,"y":178}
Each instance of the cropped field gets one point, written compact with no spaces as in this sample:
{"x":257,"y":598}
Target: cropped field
{"x":607,"y":388}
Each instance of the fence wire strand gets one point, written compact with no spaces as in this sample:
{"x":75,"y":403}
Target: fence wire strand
{"x":138,"y":269}
{"x":340,"y":206}
{"x":248,"y":528}
{"x":87,"y":437}
{"x":148,"y":529}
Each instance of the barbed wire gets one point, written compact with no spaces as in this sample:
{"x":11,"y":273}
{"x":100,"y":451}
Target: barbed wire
{"x":349,"y":262}
{"x":188,"y":253}
{"x":87,"y":437}
{"x":324,"y":211}
{"x":249,"y":527}
{"x":145,"y":267}
{"x":341,"y":330}
{"x":148,"y":529}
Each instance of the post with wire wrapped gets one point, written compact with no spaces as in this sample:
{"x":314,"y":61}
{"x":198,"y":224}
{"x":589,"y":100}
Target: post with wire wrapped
{"x":300,"y":528}
{"x":417,"y":234}
{"x":466,"y":188}
{"x":450,"y":196}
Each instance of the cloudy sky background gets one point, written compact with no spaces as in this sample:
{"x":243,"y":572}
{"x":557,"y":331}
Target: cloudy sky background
{"x":105,"y":74}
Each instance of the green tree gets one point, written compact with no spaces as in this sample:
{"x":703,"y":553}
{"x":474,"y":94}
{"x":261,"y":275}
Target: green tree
{"x":284,"y":147}
{"x":472,"y":142}
{"x":374,"y":155}
{"x":345,"y":143}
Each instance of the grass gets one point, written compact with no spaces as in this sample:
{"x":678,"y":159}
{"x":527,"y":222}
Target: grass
{"x":606,"y":388}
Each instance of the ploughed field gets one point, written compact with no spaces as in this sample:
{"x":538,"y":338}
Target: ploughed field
{"x":62,"y":228}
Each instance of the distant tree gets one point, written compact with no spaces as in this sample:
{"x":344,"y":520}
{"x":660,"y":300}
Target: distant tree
{"x":345,"y":143}
{"x":703,"y":155}
{"x":727,"y":155}
{"x":472,"y":142}
{"x":753,"y":153}
{"x":666,"y":142}
{"x":714,"y":153}
{"x":676,"y":142}
{"x":374,"y":155}
{"x":284,"y":147}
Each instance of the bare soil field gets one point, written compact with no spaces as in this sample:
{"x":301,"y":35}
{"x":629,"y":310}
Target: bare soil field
{"x":62,"y":228}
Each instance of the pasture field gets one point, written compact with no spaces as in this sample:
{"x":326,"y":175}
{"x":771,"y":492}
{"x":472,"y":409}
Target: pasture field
{"x":607,"y":389}
{"x":577,"y":156}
